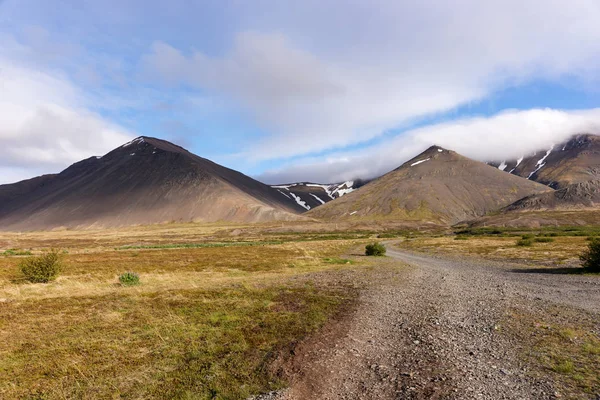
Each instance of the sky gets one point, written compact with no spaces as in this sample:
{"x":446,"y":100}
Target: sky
{"x":285,"y":91}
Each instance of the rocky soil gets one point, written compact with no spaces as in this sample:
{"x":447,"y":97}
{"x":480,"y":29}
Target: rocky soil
{"x":432,"y":330}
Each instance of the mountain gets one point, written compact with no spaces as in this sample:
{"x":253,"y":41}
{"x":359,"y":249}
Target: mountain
{"x":576,"y":160}
{"x":575,"y":196}
{"x":438,"y":186}
{"x":144,"y":181}
{"x":310,"y":195}
{"x":575,"y":204}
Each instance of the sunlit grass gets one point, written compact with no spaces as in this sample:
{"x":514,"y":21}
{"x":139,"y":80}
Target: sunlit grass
{"x":205,"y":321}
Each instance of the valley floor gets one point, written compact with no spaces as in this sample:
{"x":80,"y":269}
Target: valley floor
{"x":227,"y":312}
{"x":458,"y":329}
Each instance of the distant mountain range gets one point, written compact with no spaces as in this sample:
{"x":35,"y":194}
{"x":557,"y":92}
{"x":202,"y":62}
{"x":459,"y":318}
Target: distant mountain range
{"x":311,"y":195}
{"x":149,"y":180}
{"x":574,"y":161}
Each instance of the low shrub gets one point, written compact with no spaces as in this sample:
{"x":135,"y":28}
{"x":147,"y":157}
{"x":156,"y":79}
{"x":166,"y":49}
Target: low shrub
{"x":591,"y":256}
{"x":41,"y":269}
{"x":375,"y":249}
{"x":524,"y":242}
{"x":544,"y":239}
{"x":387,"y":235}
{"x":527,"y":236}
{"x":16,"y":252}
{"x":461,"y":238}
{"x":129,"y":279}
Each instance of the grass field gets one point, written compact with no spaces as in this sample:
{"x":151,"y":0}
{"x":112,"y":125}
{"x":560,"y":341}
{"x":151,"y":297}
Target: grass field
{"x":541,"y":249}
{"x":215,"y":306}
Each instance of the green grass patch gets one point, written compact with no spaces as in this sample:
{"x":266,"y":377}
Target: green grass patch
{"x":16,"y":252}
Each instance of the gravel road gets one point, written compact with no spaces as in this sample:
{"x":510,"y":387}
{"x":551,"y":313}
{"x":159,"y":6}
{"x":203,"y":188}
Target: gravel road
{"x":431,"y":331}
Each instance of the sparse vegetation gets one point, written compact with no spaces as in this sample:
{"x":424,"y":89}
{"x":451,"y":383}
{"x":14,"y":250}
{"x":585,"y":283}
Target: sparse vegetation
{"x":544,"y":240}
{"x":525,"y":242}
{"x":569,"y":353}
{"x":591,"y":257}
{"x":129,"y":279}
{"x":375,"y":249}
{"x":206,"y":321}
{"x":41,"y":269}
{"x":16,"y":252}
{"x":336,"y":260}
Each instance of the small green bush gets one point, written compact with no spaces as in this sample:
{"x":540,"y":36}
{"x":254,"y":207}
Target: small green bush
{"x":41,"y":269}
{"x":544,"y":239}
{"x":591,"y":257}
{"x":375,"y":249}
{"x":16,"y":252}
{"x":129,"y":279}
{"x":527,"y":236}
{"x":524,"y":242}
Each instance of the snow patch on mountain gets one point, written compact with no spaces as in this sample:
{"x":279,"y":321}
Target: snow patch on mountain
{"x":300,"y":201}
{"x":419,"y":162}
{"x":284,"y":194}
{"x":540,"y":164}
{"x":134,"y":141}
{"x":317,"y":198}
{"x":502,"y":166}
{"x":326,"y":188}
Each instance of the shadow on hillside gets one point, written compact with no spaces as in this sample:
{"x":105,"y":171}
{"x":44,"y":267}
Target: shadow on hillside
{"x":561,"y":270}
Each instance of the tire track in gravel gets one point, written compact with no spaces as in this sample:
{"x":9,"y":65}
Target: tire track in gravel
{"x":431,"y":331}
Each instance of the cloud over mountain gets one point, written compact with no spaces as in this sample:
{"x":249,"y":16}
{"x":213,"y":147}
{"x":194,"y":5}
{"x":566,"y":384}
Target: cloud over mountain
{"x":508,"y":135}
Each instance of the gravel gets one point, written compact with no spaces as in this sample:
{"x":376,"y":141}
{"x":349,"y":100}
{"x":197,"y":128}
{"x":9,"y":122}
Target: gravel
{"x":431,"y":331}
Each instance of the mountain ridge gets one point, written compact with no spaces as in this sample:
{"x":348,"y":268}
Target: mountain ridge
{"x":437,"y":186}
{"x":146,"y":180}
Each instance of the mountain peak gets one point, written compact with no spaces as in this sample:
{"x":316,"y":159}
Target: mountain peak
{"x":437,"y":186}
{"x":144,"y":181}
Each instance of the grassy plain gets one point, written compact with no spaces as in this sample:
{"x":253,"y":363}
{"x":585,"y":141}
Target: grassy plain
{"x":215,"y":306}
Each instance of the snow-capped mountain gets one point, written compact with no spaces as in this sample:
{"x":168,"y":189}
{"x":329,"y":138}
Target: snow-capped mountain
{"x":310,"y":195}
{"x":574,"y":161}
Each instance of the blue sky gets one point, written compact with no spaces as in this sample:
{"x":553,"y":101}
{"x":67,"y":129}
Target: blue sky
{"x":314,"y":90}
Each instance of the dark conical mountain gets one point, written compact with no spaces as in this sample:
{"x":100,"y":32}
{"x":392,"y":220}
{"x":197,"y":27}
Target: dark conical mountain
{"x":438,"y":186}
{"x":145,"y":181}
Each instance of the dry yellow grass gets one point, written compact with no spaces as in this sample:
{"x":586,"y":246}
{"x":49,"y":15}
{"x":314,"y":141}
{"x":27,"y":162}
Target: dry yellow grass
{"x":204,"y":323}
{"x":564,"y":249}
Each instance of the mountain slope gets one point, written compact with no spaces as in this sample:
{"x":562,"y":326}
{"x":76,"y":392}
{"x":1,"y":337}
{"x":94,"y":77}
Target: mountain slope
{"x":145,"y":181}
{"x":310,"y":195}
{"x":576,"y":160}
{"x":438,"y":186}
{"x":575,"y":204}
{"x":575,"y":196}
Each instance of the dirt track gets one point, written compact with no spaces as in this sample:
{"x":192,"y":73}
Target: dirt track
{"x":432,"y":331}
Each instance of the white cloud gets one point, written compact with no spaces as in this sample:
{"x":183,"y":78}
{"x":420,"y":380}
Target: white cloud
{"x":340,"y":73}
{"x":46,"y":124}
{"x":505,"y":136}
